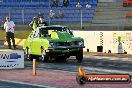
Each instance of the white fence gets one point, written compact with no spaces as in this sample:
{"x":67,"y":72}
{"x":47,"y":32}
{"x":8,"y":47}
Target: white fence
{"x":110,"y":40}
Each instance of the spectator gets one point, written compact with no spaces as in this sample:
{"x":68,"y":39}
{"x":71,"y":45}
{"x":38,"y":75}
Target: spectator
{"x":61,"y":2}
{"x":41,"y":22}
{"x":55,"y":3}
{"x":51,"y":14}
{"x":65,"y":3}
{"x":60,"y":14}
{"x":34,"y":23}
{"x":88,"y":5}
{"x":40,"y":14}
{"x":78,"y":5}
{"x":9,"y":29}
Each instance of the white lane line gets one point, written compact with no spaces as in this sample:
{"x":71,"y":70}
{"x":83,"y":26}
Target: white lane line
{"x":28,"y":84}
{"x":109,"y":58}
{"x":94,"y":69}
{"x":4,"y":86}
{"x":102,"y":57}
{"x":107,"y":70}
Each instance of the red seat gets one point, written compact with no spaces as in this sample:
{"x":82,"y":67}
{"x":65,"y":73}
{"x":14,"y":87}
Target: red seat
{"x":128,"y":14}
{"x":129,"y":3}
{"x":124,"y":3}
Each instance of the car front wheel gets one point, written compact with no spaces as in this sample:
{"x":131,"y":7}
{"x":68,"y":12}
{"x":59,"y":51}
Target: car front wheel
{"x":79,"y":55}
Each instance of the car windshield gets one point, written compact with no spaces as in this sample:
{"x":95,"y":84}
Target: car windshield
{"x":47,"y":30}
{"x":54,"y":28}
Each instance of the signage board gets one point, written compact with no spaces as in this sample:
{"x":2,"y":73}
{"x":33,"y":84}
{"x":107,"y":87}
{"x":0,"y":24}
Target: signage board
{"x":11,"y":59}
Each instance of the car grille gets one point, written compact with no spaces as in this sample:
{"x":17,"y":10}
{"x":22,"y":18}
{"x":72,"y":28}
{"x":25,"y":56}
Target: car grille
{"x":67,"y":43}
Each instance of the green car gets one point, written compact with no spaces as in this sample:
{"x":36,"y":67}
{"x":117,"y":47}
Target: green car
{"x":53,"y":42}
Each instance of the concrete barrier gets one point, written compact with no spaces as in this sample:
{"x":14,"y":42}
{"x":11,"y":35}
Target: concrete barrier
{"x":110,"y":40}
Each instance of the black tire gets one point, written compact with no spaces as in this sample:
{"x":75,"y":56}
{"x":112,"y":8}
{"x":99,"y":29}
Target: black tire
{"x":44,"y":57}
{"x":28,"y":55}
{"x":81,"y":79}
{"x":79,"y":56}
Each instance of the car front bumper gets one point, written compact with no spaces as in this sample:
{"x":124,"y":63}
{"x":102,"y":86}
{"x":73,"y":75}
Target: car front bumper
{"x":64,"y":50}
{"x":65,"y":47}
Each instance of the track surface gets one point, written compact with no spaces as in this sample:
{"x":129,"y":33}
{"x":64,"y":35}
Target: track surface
{"x":4,"y":84}
{"x":90,"y":64}
{"x":63,"y":74}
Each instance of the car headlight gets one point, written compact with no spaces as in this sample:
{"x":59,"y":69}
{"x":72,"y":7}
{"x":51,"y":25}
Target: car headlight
{"x":51,"y":44}
{"x":81,"y":43}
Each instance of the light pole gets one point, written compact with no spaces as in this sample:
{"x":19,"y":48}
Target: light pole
{"x":23,"y":15}
{"x":81,"y":17}
{"x":49,"y":11}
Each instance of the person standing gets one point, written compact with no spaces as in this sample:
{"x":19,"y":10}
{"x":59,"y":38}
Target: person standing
{"x":9,"y":29}
{"x":41,"y":22}
{"x":34,"y":24}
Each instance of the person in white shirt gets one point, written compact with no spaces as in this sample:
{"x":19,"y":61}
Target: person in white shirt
{"x":88,"y":6}
{"x":52,"y":14}
{"x":9,"y":29}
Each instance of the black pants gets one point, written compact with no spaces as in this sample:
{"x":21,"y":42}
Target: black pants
{"x":9,"y":36}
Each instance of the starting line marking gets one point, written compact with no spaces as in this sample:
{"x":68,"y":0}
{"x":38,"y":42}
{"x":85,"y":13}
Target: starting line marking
{"x":28,"y":84}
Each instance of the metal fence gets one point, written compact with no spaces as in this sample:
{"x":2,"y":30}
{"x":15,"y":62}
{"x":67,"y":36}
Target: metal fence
{"x":77,"y":17}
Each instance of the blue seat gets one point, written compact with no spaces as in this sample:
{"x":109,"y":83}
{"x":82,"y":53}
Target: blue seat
{"x":71,"y":15}
{"x":95,"y":2}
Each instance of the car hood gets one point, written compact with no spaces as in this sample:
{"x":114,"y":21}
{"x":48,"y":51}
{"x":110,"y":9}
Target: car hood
{"x":63,"y":37}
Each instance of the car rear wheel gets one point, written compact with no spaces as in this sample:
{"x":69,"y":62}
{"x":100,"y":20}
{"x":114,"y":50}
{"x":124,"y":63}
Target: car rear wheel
{"x":79,"y":56}
{"x":28,"y":55}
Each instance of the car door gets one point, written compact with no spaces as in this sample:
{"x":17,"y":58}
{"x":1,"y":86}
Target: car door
{"x":36,"y":44}
{"x":29,"y":42}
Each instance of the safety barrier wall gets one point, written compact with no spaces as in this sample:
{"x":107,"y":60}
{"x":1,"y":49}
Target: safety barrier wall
{"x":74,"y":18}
{"x":110,"y":40}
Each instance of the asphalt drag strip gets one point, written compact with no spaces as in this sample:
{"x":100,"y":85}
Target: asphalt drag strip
{"x":14,"y":84}
{"x":91,"y":65}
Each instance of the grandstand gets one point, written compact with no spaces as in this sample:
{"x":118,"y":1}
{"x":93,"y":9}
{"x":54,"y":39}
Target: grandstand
{"x":103,"y":14}
{"x":112,"y":16}
{"x":22,"y":11}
